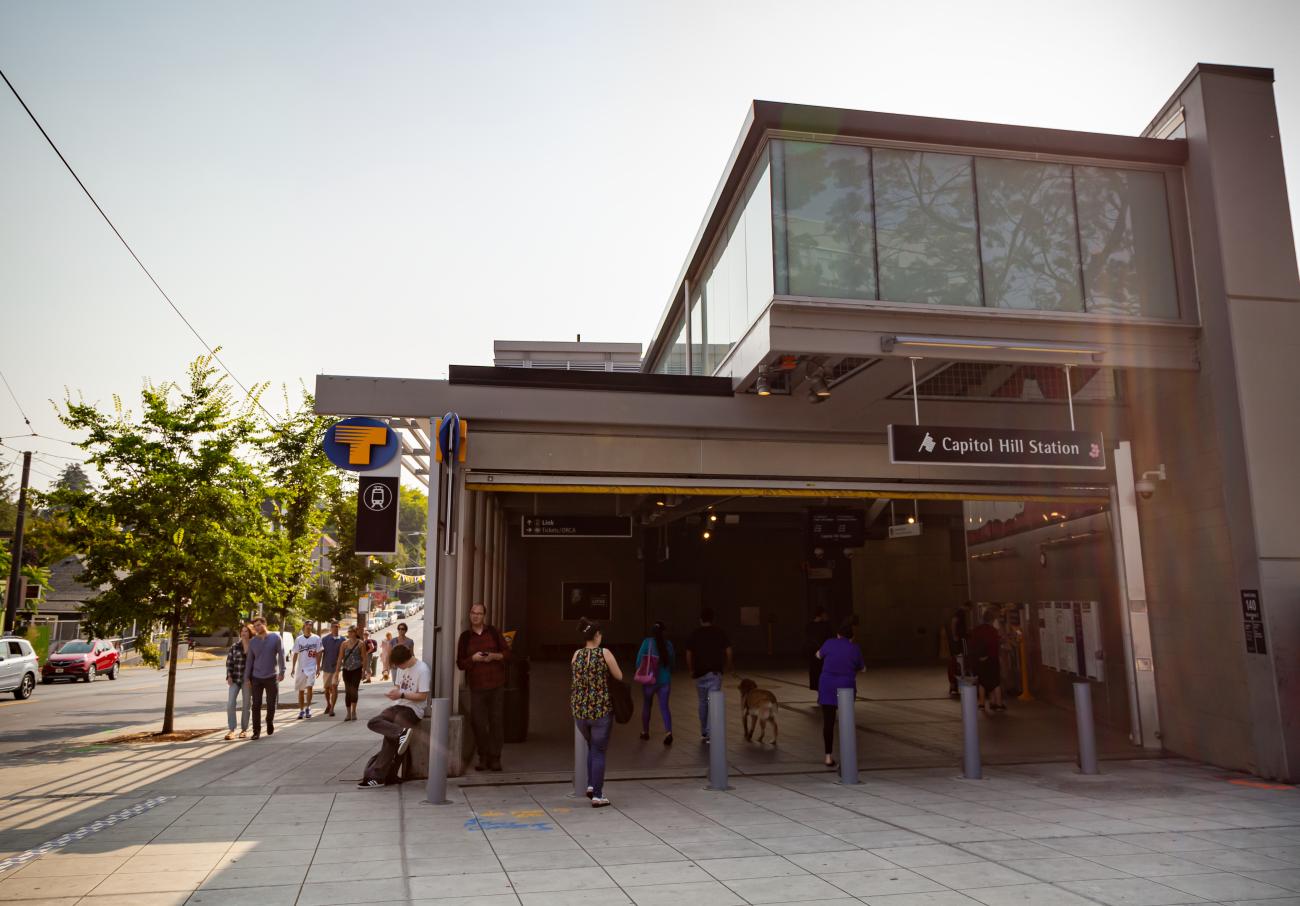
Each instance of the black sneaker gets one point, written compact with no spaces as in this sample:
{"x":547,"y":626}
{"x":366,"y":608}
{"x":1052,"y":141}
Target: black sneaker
{"x":404,"y":742}
{"x":270,"y":730}
{"x":668,"y":740}
{"x":367,"y":784}
{"x":256,"y":735}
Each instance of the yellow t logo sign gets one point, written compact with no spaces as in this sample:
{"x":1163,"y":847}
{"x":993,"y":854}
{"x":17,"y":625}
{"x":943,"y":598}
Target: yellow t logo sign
{"x":359,"y":439}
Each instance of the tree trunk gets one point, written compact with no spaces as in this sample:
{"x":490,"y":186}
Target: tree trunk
{"x":169,"y":710}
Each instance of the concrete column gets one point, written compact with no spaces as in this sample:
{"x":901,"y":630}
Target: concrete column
{"x":480,"y":545}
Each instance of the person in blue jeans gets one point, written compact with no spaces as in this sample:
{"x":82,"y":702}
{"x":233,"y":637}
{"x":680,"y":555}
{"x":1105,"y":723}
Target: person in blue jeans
{"x":708,"y":656}
{"x":593,"y":712}
{"x":841,"y":663}
{"x":656,"y":645}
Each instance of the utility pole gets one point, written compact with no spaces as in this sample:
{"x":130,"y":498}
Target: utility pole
{"x":16,"y":552}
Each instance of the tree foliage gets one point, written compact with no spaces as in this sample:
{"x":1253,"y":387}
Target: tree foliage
{"x":176,"y":532}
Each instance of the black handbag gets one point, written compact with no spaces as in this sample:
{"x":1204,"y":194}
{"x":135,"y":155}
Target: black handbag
{"x":620,"y":697}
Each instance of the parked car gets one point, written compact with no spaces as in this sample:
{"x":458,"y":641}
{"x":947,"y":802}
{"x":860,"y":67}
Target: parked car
{"x":82,"y":660}
{"x":18,"y":667}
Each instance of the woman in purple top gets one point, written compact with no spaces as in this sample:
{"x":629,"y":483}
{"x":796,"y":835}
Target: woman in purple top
{"x":841,"y":662}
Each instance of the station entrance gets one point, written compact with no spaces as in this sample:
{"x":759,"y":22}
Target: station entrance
{"x":912,"y":574}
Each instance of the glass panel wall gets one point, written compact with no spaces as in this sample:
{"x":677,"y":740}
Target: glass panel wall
{"x":738,"y":282}
{"x":1128,"y":258}
{"x":673,"y":360}
{"x":925,"y":225}
{"x":699,"y":336}
{"x":1029,"y":241}
{"x":952,"y":229}
{"x":830,"y":231}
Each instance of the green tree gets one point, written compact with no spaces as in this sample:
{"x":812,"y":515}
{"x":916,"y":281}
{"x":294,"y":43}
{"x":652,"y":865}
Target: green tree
{"x":304,"y":485}
{"x":73,"y":476}
{"x":175,"y":533}
{"x":412,"y":515}
{"x":8,"y":500}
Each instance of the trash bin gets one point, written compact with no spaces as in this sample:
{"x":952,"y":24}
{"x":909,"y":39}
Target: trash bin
{"x":516,"y":699}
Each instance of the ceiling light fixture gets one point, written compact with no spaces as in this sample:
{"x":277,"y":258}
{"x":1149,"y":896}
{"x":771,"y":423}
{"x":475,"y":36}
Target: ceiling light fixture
{"x":910,"y":341}
{"x":818,"y":386}
{"x":761,"y":386}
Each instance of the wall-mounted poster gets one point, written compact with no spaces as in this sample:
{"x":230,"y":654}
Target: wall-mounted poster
{"x":585,"y":599}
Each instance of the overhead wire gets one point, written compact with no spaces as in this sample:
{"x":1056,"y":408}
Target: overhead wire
{"x":27,"y":421}
{"x":174,"y":307}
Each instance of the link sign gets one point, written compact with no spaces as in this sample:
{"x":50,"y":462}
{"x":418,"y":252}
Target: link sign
{"x":1011,"y":447}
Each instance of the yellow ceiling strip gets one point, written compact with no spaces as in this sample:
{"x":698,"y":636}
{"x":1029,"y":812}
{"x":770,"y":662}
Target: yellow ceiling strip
{"x":872,"y":494}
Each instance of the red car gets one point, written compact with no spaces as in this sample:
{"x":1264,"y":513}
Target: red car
{"x":81,"y":660}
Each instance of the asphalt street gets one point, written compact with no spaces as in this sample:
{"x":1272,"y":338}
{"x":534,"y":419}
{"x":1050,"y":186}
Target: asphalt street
{"x":64,"y":711}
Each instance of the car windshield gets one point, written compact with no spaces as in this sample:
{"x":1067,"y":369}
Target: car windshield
{"x":75,"y":648}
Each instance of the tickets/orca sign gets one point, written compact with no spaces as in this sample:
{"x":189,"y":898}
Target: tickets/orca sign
{"x":937,"y":445}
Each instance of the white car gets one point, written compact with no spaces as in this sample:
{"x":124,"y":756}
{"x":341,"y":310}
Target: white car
{"x":19,"y":667}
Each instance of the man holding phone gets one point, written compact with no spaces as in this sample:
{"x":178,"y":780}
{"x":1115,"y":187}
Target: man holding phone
{"x":481,"y":652}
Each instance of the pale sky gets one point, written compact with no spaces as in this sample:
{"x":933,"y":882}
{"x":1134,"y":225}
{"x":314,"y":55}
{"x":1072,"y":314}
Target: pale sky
{"x":386,"y":188}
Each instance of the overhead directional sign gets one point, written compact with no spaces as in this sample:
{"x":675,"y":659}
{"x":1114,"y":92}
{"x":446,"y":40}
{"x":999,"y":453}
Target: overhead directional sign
{"x":576,"y":527}
{"x":938,"y":445}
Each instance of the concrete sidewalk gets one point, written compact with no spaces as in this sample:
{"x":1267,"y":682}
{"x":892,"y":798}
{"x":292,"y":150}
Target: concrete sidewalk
{"x":1148,"y":833}
{"x":280,"y":822}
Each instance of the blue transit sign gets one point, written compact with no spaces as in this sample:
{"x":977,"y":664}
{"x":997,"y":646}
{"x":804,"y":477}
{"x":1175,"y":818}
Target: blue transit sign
{"x":360,"y":444}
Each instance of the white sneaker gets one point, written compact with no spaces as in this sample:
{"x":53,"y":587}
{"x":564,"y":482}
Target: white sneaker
{"x":307,"y":713}
{"x":404,"y":742}
{"x":599,"y":802}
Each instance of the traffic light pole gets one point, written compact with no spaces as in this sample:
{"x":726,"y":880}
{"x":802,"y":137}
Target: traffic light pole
{"x":16,"y":552}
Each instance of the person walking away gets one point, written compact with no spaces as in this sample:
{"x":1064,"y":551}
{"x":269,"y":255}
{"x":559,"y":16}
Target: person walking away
{"x":264,"y":670}
{"x":815,"y":635}
{"x":708,"y":656}
{"x":306,"y":664}
{"x":656,"y":645}
{"x":397,"y":723}
{"x":371,"y":656}
{"x":350,"y":661}
{"x":237,"y":686}
{"x":593,"y":713}
{"x":841,"y":663}
{"x":985,"y":650}
{"x":481,"y":652}
{"x":386,"y":651}
{"x":957,"y":641}
{"x":329,"y":666}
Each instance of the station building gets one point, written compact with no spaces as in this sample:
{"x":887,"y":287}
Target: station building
{"x":861,"y":280}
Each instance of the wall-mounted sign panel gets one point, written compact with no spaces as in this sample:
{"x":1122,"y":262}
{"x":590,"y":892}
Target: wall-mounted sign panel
{"x":1253,"y":617}
{"x":905,"y":530}
{"x":586,"y":600}
{"x":1006,"y":447}
{"x":839,"y":528}
{"x":377,"y":515}
{"x":576,"y":527}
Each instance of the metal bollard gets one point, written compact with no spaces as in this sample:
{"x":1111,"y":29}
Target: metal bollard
{"x":1087,"y":734}
{"x":579,"y":764}
{"x":435,"y":789}
{"x":970,"y":730}
{"x":844,"y":699}
{"x":718,"y":741}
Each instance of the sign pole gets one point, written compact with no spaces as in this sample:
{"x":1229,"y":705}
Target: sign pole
{"x":1069,"y":394}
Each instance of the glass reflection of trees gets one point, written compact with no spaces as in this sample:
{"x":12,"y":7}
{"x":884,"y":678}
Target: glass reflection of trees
{"x":829,"y":230}
{"x":1128,"y":260}
{"x":1028,"y":237}
{"x":925,"y":225}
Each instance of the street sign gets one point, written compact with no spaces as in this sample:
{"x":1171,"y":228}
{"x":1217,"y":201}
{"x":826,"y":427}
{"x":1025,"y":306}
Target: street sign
{"x":905,"y":530}
{"x":1006,"y":447}
{"x":1253,"y":618}
{"x":576,"y":527}
{"x":360,"y":444}
{"x":377,"y":515}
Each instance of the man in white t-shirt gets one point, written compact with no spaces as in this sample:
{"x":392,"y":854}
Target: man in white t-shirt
{"x":306,"y":663}
{"x":396,"y":723}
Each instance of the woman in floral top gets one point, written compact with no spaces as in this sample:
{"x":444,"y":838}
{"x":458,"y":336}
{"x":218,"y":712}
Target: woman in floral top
{"x":592,"y":711}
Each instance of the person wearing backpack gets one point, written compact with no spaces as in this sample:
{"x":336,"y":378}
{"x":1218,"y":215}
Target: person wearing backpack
{"x":592,"y":704}
{"x":654,"y":671}
{"x":482,"y":653}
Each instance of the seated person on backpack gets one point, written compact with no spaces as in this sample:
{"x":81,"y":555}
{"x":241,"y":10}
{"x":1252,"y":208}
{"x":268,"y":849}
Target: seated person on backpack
{"x":396,"y":723}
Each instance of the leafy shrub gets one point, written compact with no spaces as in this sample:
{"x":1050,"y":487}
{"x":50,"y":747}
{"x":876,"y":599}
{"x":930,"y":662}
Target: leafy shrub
{"x":149,"y":653}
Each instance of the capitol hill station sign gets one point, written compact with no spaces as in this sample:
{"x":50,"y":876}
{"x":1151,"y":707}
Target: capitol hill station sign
{"x":1009,"y":447}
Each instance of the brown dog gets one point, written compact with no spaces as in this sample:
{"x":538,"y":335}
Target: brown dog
{"x":759,"y":706}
